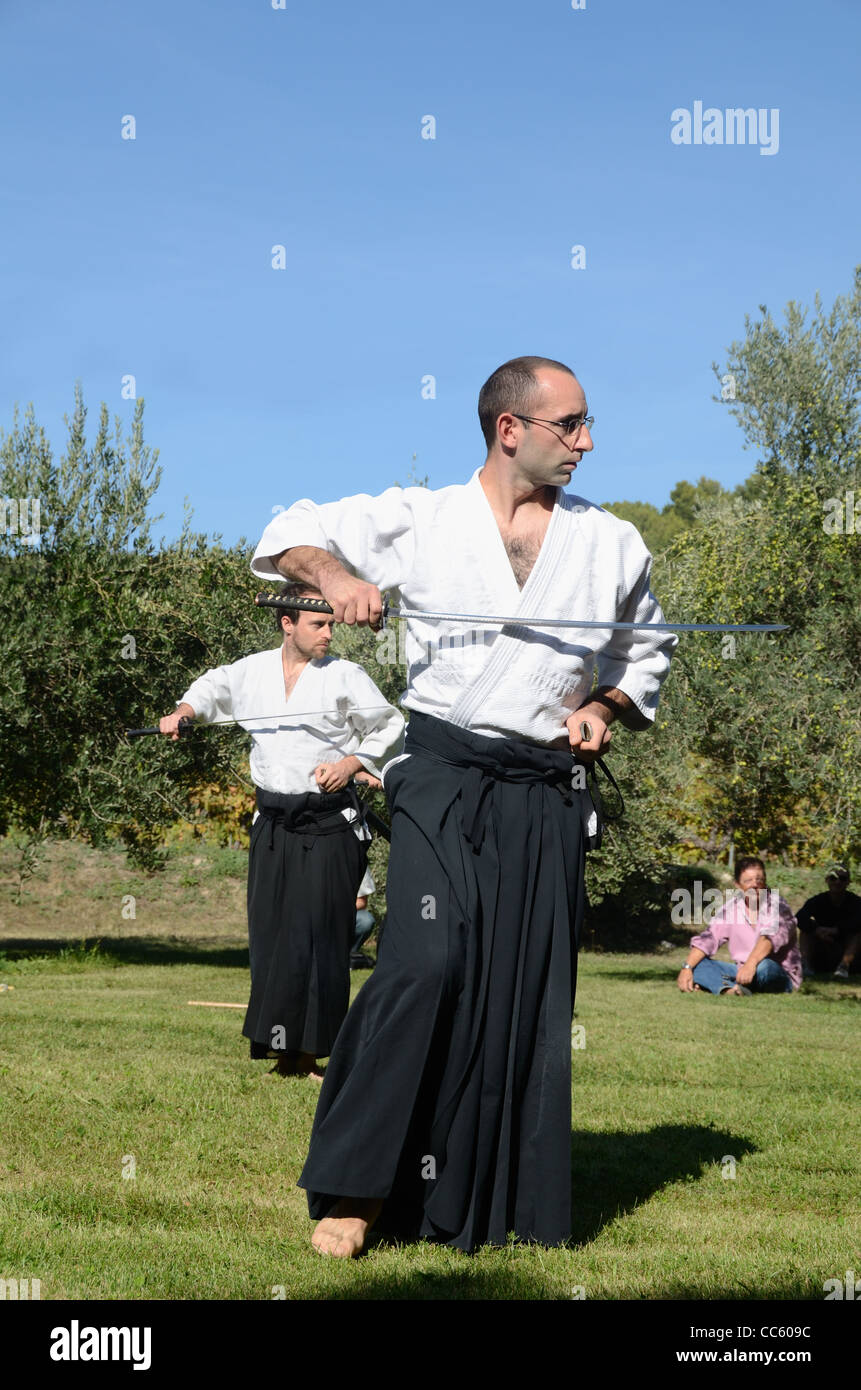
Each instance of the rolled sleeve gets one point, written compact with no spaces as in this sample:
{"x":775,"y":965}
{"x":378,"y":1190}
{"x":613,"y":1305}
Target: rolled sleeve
{"x":372,"y":537}
{"x":714,"y":936}
{"x":298,"y":525}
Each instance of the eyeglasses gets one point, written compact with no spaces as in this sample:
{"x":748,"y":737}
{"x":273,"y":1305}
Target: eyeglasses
{"x":573,"y":425}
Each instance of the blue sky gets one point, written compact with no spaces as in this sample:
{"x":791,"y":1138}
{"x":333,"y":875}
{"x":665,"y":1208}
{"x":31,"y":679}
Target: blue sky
{"x":408,"y":257}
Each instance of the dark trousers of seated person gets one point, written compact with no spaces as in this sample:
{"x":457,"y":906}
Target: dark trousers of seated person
{"x":823,"y":957}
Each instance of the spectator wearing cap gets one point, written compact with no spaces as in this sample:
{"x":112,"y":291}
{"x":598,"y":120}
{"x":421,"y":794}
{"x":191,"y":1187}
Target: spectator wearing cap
{"x":759,"y":930}
{"x":830,"y":925}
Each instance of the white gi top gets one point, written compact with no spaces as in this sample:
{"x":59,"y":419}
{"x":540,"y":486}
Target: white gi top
{"x":442,"y":551}
{"x":334,"y":710}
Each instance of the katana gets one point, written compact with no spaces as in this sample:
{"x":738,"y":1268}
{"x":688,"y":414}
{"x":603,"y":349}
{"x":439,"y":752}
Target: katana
{"x":186,"y":724}
{"x":364,"y":811}
{"x":317,"y":605}
{"x":320,"y":605}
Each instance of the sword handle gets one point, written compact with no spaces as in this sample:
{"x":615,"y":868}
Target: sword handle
{"x":306,"y":605}
{"x":184,"y":729}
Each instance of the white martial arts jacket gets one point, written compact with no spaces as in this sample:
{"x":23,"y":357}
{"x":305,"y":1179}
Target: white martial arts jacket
{"x":334,"y":710}
{"x":443,"y":551}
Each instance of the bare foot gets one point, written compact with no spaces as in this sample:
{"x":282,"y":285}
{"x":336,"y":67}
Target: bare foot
{"x":306,"y":1065}
{"x":286,"y":1065}
{"x":343,"y":1233}
{"x":297,"y":1064}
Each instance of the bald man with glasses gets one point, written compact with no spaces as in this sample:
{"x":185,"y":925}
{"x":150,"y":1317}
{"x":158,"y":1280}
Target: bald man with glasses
{"x":446,"y":1108}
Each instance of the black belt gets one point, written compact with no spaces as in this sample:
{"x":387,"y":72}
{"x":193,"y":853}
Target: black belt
{"x":486,"y":760}
{"x":305,"y":813}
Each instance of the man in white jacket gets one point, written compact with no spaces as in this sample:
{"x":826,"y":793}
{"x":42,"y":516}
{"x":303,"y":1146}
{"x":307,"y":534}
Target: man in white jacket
{"x":446,"y":1107}
{"x":316,"y":722}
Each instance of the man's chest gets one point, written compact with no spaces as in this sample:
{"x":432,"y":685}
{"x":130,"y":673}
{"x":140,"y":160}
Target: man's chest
{"x":523,"y":544}
{"x":291,"y":680}
{"x":269,"y":686}
{"x":469,"y":556}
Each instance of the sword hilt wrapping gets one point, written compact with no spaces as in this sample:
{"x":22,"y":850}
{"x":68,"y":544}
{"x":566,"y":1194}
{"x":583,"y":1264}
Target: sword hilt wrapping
{"x":309,"y":605}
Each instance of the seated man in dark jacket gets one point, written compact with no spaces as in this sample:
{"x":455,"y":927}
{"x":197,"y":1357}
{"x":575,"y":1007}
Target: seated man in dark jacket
{"x":830,"y":927}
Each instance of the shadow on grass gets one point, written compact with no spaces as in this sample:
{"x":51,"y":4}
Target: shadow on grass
{"x":834,"y":991}
{"x":612,"y":1174}
{"x":654,"y":969}
{"x":634,"y":939}
{"x":127,"y":950}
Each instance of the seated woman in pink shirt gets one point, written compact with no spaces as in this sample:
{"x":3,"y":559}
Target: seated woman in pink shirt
{"x":760,"y":931}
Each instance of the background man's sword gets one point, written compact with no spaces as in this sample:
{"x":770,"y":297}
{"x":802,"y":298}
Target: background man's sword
{"x":188,"y":726}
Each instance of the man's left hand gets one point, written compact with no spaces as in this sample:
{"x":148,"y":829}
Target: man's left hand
{"x":588,"y":749}
{"x":745,"y":973}
{"x":331,"y":777}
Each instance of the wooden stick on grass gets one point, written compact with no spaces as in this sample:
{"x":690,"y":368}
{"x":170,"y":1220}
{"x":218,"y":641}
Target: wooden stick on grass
{"x":214,"y":1004}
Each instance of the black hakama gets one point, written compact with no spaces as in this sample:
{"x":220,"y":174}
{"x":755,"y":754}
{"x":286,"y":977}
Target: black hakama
{"x":304,"y":869}
{"x":449,"y":1090}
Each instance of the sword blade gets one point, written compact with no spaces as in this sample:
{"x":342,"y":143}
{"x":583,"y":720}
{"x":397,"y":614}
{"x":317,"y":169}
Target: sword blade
{"x":286,"y":717}
{"x":316,"y":605}
{"x":488,"y":619}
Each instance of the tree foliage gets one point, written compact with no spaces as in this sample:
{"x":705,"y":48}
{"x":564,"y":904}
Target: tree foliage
{"x":660,"y":528}
{"x":797,"y":389}
{"x":758,"y":738}
{"x":780,"y":727}
{"x":100,"y":629}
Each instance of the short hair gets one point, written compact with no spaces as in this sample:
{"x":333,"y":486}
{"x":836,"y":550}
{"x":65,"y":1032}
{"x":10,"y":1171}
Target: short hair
{"x":295,"y":589}
{"x":511,"y":387}
{"x":747,"y":861}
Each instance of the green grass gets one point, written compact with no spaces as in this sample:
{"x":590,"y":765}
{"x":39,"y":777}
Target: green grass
{"x":103,"y":1058}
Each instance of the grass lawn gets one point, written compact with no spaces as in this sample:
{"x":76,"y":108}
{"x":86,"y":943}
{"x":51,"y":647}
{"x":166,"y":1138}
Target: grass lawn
{"x":106,"y":1070}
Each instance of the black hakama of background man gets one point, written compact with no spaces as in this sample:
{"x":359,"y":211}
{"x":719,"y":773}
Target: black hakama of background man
{"x":305,"y":866}
{"x":449,"y":1089}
